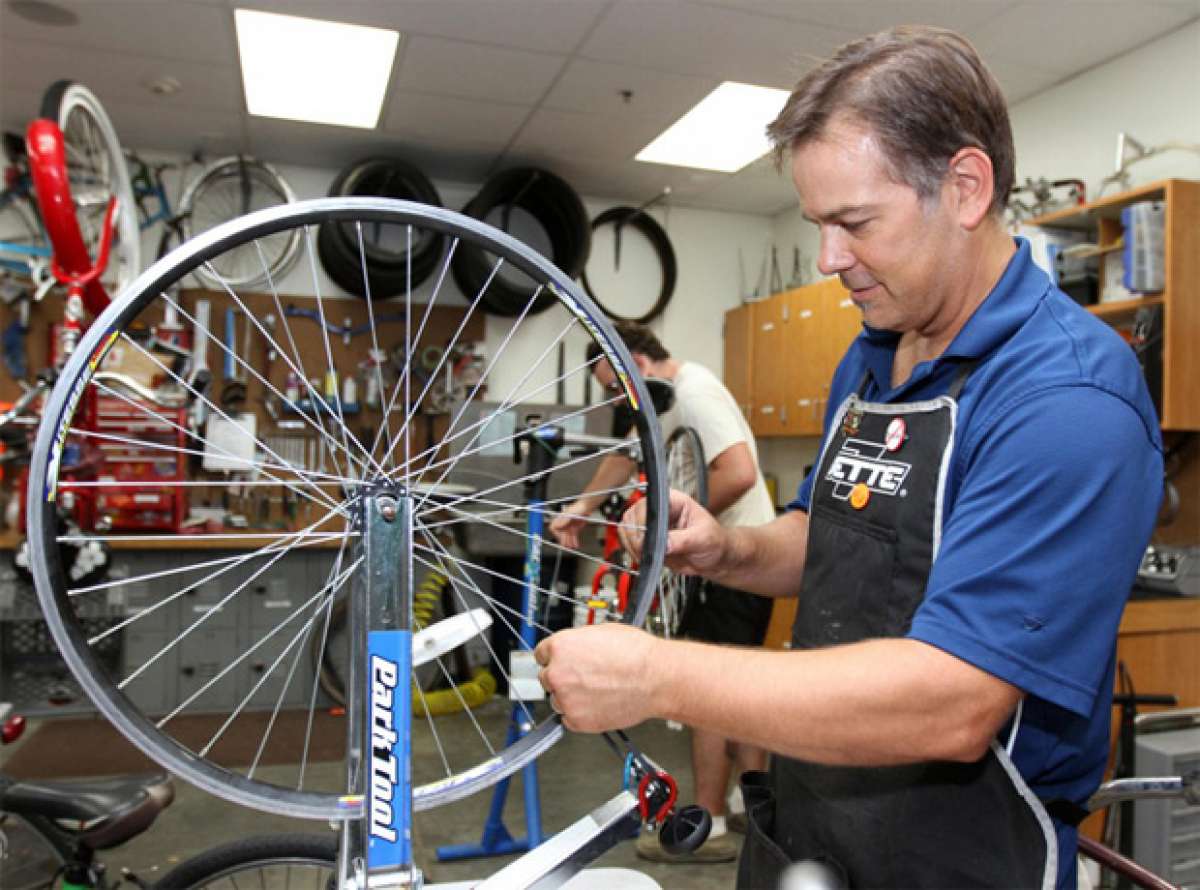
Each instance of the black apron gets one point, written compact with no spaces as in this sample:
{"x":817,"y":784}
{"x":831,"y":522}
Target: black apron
{"x":874,"y":528}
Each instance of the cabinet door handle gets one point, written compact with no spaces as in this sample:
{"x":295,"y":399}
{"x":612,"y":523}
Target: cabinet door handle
{"x":783,"y":414}
{"x":768,"y":326}
{"x":767,"y":409}
{"x":806,"y":313}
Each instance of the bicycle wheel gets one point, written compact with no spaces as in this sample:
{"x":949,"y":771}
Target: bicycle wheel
{"x":459,"y":482}
{"x":96,"y":171}
{"x":649,"y":253}
{"x":687,"y":471}
{"x":225,"y":190}
{"x":293,"y":861}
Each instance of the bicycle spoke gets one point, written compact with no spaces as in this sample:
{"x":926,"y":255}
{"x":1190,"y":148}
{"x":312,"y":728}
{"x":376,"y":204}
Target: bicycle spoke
{"x":316,"y":685}
{"x":275,"y":557}
{"x":402,"y":383}
{"x":238,"y":360}
{"x":319,"y":595}
{"x":440,"y":553}
{"x":506,"y":404}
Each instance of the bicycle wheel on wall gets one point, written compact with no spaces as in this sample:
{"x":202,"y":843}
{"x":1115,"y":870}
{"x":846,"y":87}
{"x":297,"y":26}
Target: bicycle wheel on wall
{"x":687,"y":471}
{"x":303,"y":559}
{"x":96,"y":170}
{"x":227,"y":189}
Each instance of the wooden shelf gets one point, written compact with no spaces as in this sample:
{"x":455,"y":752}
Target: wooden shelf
{"x":1122,"y":308}
{"x":1086,"y":215}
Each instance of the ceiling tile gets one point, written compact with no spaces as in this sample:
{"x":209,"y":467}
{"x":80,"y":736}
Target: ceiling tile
{"x":597,"y":87}
{"x":1069,"y":36}
{"x":121,"y":76}
{"x":453,"y":123}
{"x":435,"y":65}
{"x":709,"y":41}
{"x":554,"y":26}
{"x":616,"y":137}
{"x":863,"y":18}
{"x":167,"y":29}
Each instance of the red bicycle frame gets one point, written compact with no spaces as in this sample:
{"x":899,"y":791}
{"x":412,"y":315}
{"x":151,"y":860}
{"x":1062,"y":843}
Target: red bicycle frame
{"x":71,"y":263}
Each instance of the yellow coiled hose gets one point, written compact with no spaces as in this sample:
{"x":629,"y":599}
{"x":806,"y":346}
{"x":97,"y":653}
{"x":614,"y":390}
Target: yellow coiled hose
{"x":470,"y":693}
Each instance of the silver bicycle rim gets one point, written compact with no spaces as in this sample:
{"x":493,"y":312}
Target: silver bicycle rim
{"x":56,"y":594}
{"x":215,"y":196}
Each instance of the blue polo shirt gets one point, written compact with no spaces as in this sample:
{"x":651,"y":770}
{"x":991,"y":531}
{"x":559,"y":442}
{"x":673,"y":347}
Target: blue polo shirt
{"x":1052,"y":493}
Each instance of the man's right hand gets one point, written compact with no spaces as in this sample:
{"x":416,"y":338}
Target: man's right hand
{"x":569,"y":524}
{"x":696,"y":542}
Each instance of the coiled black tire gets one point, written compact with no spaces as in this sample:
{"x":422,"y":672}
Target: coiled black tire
{"x":659,"y":243}
{"x":386,"y":248}
{"x":557,"y":209}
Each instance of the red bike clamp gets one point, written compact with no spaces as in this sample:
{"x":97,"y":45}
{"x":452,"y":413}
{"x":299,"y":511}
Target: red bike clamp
{"x":644,"y":803}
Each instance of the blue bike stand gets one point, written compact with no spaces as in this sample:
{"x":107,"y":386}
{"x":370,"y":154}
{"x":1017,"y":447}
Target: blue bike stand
{"x":542,"y":446}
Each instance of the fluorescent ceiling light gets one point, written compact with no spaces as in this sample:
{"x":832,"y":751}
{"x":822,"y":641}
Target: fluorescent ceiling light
{"x":725,"y":131}
{"x":310,"y":70}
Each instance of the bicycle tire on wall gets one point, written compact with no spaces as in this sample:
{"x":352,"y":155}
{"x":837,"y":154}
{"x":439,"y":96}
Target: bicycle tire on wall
{"x":146,"y":298}
{"x":389,"y":269}
{"x":557,"y":209}
{"x":251,"y":185}
{"x":659,"y":242}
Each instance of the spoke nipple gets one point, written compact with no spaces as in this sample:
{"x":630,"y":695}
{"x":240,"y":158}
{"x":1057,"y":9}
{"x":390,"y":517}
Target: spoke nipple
{"x":387,"y":507}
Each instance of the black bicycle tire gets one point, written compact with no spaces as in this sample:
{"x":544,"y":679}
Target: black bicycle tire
{"x":263,"y":850}
{"x":659,"y":241}
{"x":59,"y":412}
{"x":388,"y":271}
{"x":559,"y":211}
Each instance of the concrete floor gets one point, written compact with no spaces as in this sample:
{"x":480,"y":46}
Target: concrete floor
{"x":578,"y":774}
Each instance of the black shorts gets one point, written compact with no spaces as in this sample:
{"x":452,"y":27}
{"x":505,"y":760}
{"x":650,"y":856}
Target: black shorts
{"x":723,"y":615}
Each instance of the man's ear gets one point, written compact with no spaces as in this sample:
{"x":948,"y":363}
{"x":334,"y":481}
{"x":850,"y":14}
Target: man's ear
{"x":973,"y":184}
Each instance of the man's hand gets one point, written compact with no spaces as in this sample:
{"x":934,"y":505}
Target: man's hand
{"x":568,"y":524}
{"x":599,"y":677}
{"x":696,"y":542}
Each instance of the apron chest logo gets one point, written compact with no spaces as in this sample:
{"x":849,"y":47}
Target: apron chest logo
{"x":860,"y":462}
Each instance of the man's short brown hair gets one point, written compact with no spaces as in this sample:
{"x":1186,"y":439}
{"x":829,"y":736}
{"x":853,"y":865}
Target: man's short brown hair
{"x":637,"y":338}
{"x":923,"y":92}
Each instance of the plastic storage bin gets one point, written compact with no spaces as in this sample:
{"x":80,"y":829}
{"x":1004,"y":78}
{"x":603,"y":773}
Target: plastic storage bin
{"x":1145,"y":252}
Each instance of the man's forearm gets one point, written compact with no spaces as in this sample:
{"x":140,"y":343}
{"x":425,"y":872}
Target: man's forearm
{"x":875,"y":703}
{"x":613,"y":471}
{"x":765,"y":559}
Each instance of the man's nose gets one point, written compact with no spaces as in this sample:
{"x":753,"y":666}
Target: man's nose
{"x":834,"y":256}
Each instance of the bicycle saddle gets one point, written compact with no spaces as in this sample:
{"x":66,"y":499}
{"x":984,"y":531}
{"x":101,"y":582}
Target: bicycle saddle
{"x":101,"y":814}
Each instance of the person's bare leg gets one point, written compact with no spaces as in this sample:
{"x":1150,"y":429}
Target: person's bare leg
{"x":748,"y":758}
{"x":710,"y":770}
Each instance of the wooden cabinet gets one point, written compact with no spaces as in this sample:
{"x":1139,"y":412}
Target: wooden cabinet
{"x":780,"y":354}
{"x":1180,"y":298}
{"x":739,"y":335}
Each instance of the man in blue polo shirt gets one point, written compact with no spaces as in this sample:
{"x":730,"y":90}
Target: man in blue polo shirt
{"x":962,"y":551}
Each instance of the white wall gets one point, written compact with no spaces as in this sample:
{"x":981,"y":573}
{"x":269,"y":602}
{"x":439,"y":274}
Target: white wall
{"x":1153,"y":93}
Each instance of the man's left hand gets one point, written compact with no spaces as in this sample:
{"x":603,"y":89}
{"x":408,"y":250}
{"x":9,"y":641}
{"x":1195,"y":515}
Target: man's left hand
{"x":599,"y":677}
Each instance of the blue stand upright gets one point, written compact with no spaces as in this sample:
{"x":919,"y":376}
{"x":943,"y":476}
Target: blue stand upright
{"x":542,"y":444}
